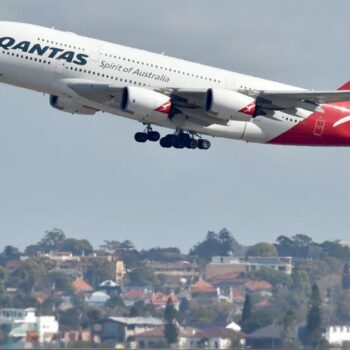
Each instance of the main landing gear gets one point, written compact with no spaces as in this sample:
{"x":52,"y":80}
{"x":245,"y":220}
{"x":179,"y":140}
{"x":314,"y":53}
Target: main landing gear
{"x":178,"y":140}
{"x":147,"y":135}
{"x":183,"y":140}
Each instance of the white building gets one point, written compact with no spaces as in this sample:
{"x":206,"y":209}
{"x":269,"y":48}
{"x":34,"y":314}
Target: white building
{"x":337,"y":335}
{"x":24,"y":326}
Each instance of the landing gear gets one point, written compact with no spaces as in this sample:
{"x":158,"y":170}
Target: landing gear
{"x":178,"y":140}
{"x":183,"y":140}
{"x":204,"y":144}
{"x":147,"y":135}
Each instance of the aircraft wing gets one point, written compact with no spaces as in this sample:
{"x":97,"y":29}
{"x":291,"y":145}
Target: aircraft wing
{"x":189,"y":102}
{"x":275,"y":100}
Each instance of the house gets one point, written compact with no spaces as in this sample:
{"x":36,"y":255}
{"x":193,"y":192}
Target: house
{"x":159,"y":300}
{"x":119,"y":329}
{"x":188,"y":338}
{"x":133,"y":295}
{"x":337,"y":335}
{"x":82,"y":287}
{"x":98,"y":299}
{"x":201,"y":287}
{"x":253,"y":286}
{"x":281,"y":264}
{"x":237,"y":295}
{"x":269,"y":337}
{"x":221,"y":265}
{"x":109,"y":287}
{"x":22,"y":326}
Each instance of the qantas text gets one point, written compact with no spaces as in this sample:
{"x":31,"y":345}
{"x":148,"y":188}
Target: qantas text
{"x":8,"y":43}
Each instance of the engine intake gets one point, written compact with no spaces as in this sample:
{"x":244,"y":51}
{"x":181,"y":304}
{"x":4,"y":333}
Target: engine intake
{"x":228,"y":104}
{"x":145,"y":103}
{"x":69,"y":106}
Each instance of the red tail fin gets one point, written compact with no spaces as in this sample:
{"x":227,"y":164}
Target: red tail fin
{"x":346,"y":86}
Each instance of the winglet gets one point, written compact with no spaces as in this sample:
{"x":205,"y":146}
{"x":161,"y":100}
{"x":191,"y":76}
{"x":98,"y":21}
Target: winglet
{"x":346,"y":86}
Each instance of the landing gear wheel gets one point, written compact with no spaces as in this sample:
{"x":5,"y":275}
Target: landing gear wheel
{"x":141,"y":137}
{"x":153,"y":136}
{"x":165,"y":142}
{"x":192,"y":144}
{"x":203,"y":144}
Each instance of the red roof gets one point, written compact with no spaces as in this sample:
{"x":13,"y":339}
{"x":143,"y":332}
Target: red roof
{"x":202,"y":286}
{"x":263,"y":303}
{"x":238,"y":295}
{"x":134,"y":294}
{"x":82,"y":286}
{"x":157,"y":332}
{"x":256,"y":285}
{"x":160,"y":299}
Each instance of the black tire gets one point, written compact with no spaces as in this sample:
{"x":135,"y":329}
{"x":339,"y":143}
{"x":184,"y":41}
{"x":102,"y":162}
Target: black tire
{"x":204,"y":144}
{"x":141,"y":137}
{"x":192,"y":144}
{"x":153,"y":136}
{"x":165,"y":142}
{"x":172,"y":139}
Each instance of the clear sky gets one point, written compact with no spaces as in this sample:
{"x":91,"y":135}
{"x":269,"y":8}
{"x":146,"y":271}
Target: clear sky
{"x":88,"y":176}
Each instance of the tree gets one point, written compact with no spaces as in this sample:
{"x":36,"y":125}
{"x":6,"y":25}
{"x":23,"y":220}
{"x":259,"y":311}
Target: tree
{"x":142,"y":276}
{"x":247,"y":311}
{"x":76,"y":246}
{"x":262,"y":249}
{"x":217,"y":244}
{"x":61,"y":281}
{"x":171,"y":331}
{"x":52,"y":240}
{"x":346,"y":277}
{"x":313,"y":334}
{"x":99,"y":271}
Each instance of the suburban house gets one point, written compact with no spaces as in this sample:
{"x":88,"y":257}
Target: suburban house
{"x":22,"y":327}
{"x":269,"y":337}
{"x":337,"y":335}
{"x":202,"y":287}
{"x":189,"y":338}
{"x":159,"y":300}
{"x":119,"y":329}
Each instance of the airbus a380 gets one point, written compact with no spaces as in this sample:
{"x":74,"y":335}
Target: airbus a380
{"x":85,"y":76}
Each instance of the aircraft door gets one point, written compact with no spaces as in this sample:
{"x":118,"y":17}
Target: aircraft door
{"x":319,"y":127}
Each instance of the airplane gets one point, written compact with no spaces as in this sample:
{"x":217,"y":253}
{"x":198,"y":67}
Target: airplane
{"x":85,"y":76}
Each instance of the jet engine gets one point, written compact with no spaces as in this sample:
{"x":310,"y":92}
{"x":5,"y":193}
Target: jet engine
{"x":69,"y":106}
{"x":228,"y":104}
{"x":145,"y":103}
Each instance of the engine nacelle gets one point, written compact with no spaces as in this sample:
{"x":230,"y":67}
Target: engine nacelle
{"x":145,"y":103}
{"x":69,"y":106}
{"x":228,"y":104}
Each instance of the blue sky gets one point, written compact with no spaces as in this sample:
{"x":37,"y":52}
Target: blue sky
{"x":88,"y":177}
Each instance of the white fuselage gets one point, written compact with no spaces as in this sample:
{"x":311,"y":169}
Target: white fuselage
{"x":122,"y":66}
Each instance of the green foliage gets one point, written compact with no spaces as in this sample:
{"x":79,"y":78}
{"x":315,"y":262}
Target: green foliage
{"x":171,"y":331}
{"x":346,"y":277}
{"x":143,"y":276}
{"x":162,"y":254}
{"x":217,"y":244}
{"x":262,"y":249}
{"x":76,"y":246}
{"x":259,"y":319}
{"x":101,"y":270}
{"x":296,"y":246}
{"x":247,"y":311}
{"x":141,"y":309}
{"x":69,"y":320}
{"x":269,"y":275}
{"x":25,"y":277}
{"x":61,"y":281}
{"x":313,"y":334}
{"x":336,"y":250}
{"x":205,"y":315}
